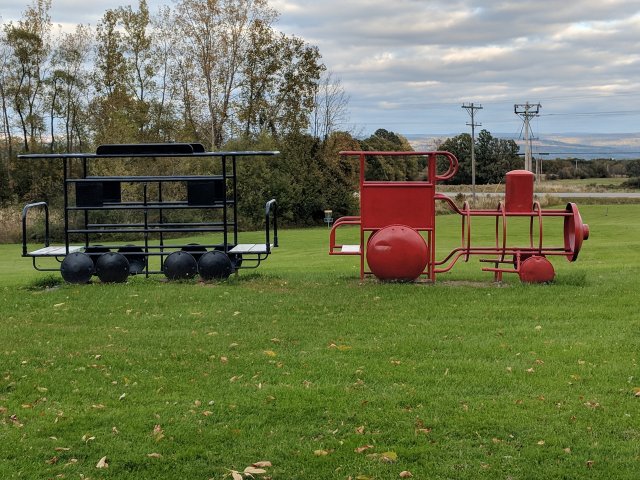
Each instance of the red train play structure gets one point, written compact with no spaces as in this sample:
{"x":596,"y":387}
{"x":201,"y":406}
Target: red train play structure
{"x":397,"y":224}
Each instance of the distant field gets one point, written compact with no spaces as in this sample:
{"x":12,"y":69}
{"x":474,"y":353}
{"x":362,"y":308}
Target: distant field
{"x":570,"y":185}
{"x":325,"y":377}
{"x":583,"y":184}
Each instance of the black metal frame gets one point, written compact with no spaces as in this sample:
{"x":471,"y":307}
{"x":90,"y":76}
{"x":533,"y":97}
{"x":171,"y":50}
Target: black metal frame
{"x":206,"y":193}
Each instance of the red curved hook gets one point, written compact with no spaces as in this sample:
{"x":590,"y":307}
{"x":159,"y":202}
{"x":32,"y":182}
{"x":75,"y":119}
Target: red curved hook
{"x":453,"y":166}
{"x":536,"y":208}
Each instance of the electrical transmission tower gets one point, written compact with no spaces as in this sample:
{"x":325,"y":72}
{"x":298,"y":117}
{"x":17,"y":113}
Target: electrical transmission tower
{"x":527,"y":111}
{"x":471,"y":109}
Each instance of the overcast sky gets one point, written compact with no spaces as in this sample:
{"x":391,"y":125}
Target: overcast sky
{"x":408,"y":65}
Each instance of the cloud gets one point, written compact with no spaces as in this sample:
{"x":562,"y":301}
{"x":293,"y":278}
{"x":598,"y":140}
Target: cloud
{"x":573,"y":56}
{"x":411,"y":63}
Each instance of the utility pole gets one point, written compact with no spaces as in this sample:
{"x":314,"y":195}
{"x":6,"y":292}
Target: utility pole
{"x":471,"y":108}
{"x":527,"y":111}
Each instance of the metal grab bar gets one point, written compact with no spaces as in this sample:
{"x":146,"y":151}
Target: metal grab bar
{"x":269,"y":206}
{"x":25,"y":210}
{"x":342,"y":221}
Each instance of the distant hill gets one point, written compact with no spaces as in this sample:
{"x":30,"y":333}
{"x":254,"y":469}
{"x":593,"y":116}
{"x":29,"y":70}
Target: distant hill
{"x":566,"y":145}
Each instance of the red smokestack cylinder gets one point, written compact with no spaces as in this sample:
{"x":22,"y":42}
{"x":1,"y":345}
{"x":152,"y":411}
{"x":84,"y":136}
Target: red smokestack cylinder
{"x":519,"y":195}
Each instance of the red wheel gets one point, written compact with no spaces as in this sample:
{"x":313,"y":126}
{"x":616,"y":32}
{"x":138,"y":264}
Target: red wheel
{"x":397,"y":252}
{"x":574,"y":232}
{"x":536,"y":269}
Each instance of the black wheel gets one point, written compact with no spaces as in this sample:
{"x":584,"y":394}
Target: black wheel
{"x":180,"y":265}
{"x":136,"y":257}
{"x":236,"y":258}
{"x":77,"y":267}
{"x":112,"y":267}
{"x":215,"y":265}
{"x":195,"y":249}
{"x":94,"y":251}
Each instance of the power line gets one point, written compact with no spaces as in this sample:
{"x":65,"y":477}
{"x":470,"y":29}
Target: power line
{"x":527,"y":111}
{"x":471,"y":109}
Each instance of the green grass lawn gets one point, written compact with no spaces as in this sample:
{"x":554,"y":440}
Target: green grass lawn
{"x":326,"y":377}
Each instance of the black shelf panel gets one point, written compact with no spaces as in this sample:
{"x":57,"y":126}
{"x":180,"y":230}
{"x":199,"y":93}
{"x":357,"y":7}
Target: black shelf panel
{"x":158,"y":225}
{"x":152,"y":206}
{"x":101,"y":231}
{"x":145,"y":178}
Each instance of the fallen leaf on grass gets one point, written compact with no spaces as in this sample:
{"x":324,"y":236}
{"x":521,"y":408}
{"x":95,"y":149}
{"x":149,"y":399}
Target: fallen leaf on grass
{"x":102,"y":463}
{"x":590,"y":463}
{"x":360,"y":430}
{"x":321,"y":453}
{"x":363,"y":448}
{"x":254,"y":471}
{"x":406,"y":474}
{"x":14,"y":420}
{"x":154,"y":455}
{"x":389,"y":457}
{"x":52,"y":461}
{"x":157,"y":433}
{"x":256,"y":468}
{"x":270,"y":353}
{"x":386,"y":457}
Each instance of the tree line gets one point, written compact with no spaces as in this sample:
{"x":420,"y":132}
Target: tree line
{"x":495,"y":157}
{"x":216,"y":72}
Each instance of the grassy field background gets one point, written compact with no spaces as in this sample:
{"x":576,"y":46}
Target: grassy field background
{"x":301,"y":365}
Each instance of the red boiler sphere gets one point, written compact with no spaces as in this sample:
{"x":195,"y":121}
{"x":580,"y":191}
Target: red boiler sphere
{"x":397,"y":252}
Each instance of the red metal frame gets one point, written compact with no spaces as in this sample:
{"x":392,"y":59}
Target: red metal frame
{"x":413,"y":204}
{"x":409,"y":203}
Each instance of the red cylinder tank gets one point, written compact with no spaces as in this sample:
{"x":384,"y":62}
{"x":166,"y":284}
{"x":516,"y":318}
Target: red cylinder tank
{"x":519,"y":191}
